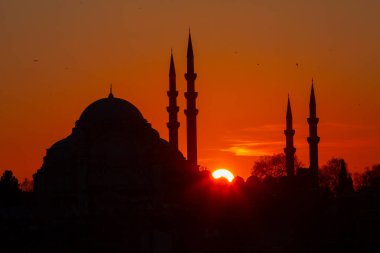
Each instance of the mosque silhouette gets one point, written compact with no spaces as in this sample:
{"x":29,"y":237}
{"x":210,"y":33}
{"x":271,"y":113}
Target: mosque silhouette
{"x":120,"y":186}
{"x":113,"y":148}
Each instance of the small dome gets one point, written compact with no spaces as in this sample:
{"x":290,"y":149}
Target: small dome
{"x":110,"y":110}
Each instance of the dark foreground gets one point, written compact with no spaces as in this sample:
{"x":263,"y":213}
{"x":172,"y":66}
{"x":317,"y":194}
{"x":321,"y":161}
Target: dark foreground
{"x":211,"y":217}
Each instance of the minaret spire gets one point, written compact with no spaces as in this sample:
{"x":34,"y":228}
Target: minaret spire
{"x":172,"y":109}
{"x":191,"y":111}
{"x":289,"y":150}
{"x":289,"y":116}
{"x":190,"y":55}
{"x":312,"y":105}
{"x":313,"y":138}
{"x":172,"y":67}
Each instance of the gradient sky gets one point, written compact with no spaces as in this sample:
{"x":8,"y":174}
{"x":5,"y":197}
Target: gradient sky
{"x":58,"y":56}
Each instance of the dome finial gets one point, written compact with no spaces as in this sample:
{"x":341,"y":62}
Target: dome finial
{"x":110,"y":95}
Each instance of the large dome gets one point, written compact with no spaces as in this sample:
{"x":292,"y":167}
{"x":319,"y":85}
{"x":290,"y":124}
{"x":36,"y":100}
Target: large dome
{"x":112,"y":150}
{"x":109,"y":115}
{"x":110,"y":109}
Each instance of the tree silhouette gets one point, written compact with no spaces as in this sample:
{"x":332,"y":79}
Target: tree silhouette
{"x":333,"y":176}
{"x":9,"y":189}
{"x":329,"y":174}
{"x":8,"y":183}
{"x":369,"y":179}
{"x":27,"y":185}
{"x":345,"y":185}
{"x":272,"y":166}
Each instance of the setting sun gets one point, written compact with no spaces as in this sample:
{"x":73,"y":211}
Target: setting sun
{"x":223,"y":173}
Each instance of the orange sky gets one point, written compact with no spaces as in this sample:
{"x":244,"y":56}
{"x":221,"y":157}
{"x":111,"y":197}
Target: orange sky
{"x":58,"y":56}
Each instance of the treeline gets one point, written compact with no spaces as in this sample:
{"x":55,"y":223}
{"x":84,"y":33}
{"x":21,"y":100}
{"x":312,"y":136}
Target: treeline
{"x":11,"y":191}
{"x":334,"y":176}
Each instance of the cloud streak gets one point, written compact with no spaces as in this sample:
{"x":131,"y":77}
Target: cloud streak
{"x":242,"y":151}
{"x":246,"y":141}
{"x":249,"y":148}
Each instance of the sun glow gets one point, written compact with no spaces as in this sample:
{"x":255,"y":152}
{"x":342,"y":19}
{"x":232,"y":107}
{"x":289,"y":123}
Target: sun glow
{"x":223,"y":173}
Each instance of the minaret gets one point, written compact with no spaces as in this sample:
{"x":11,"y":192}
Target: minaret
{"x":289,"y":149}
{"x":313,"y":138}
{"x":172,"y":109}
{"x":191,"y":111}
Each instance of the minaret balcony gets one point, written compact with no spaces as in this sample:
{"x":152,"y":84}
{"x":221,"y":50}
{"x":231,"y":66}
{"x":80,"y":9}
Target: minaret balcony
{"x":313,"y":140}
{"x":190,"y":76}
{"x":289,"y":132}
{"x":312,"y":120}
{"x":191,"y":95}
{"x":173,"y":125}
{"x":172,"y":109}
{"x":289,"y":150}
{"x":172,"y":93}
{"x":191,"y":112}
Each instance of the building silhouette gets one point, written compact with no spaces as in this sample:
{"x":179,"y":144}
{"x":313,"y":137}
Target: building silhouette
{"x":116,"y":170}
{"x":313,"y":140}
{"x":173,"y":109}
{"x":289,"y":149}
{"x":112,"y":160}
{"x":191,"y":110}
{"x":113,"y":152}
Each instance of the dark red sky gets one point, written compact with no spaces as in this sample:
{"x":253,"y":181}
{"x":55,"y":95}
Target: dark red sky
{"x":58,"y":56}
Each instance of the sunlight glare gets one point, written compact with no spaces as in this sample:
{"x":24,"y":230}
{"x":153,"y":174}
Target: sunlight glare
{"x":223,"y":173}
